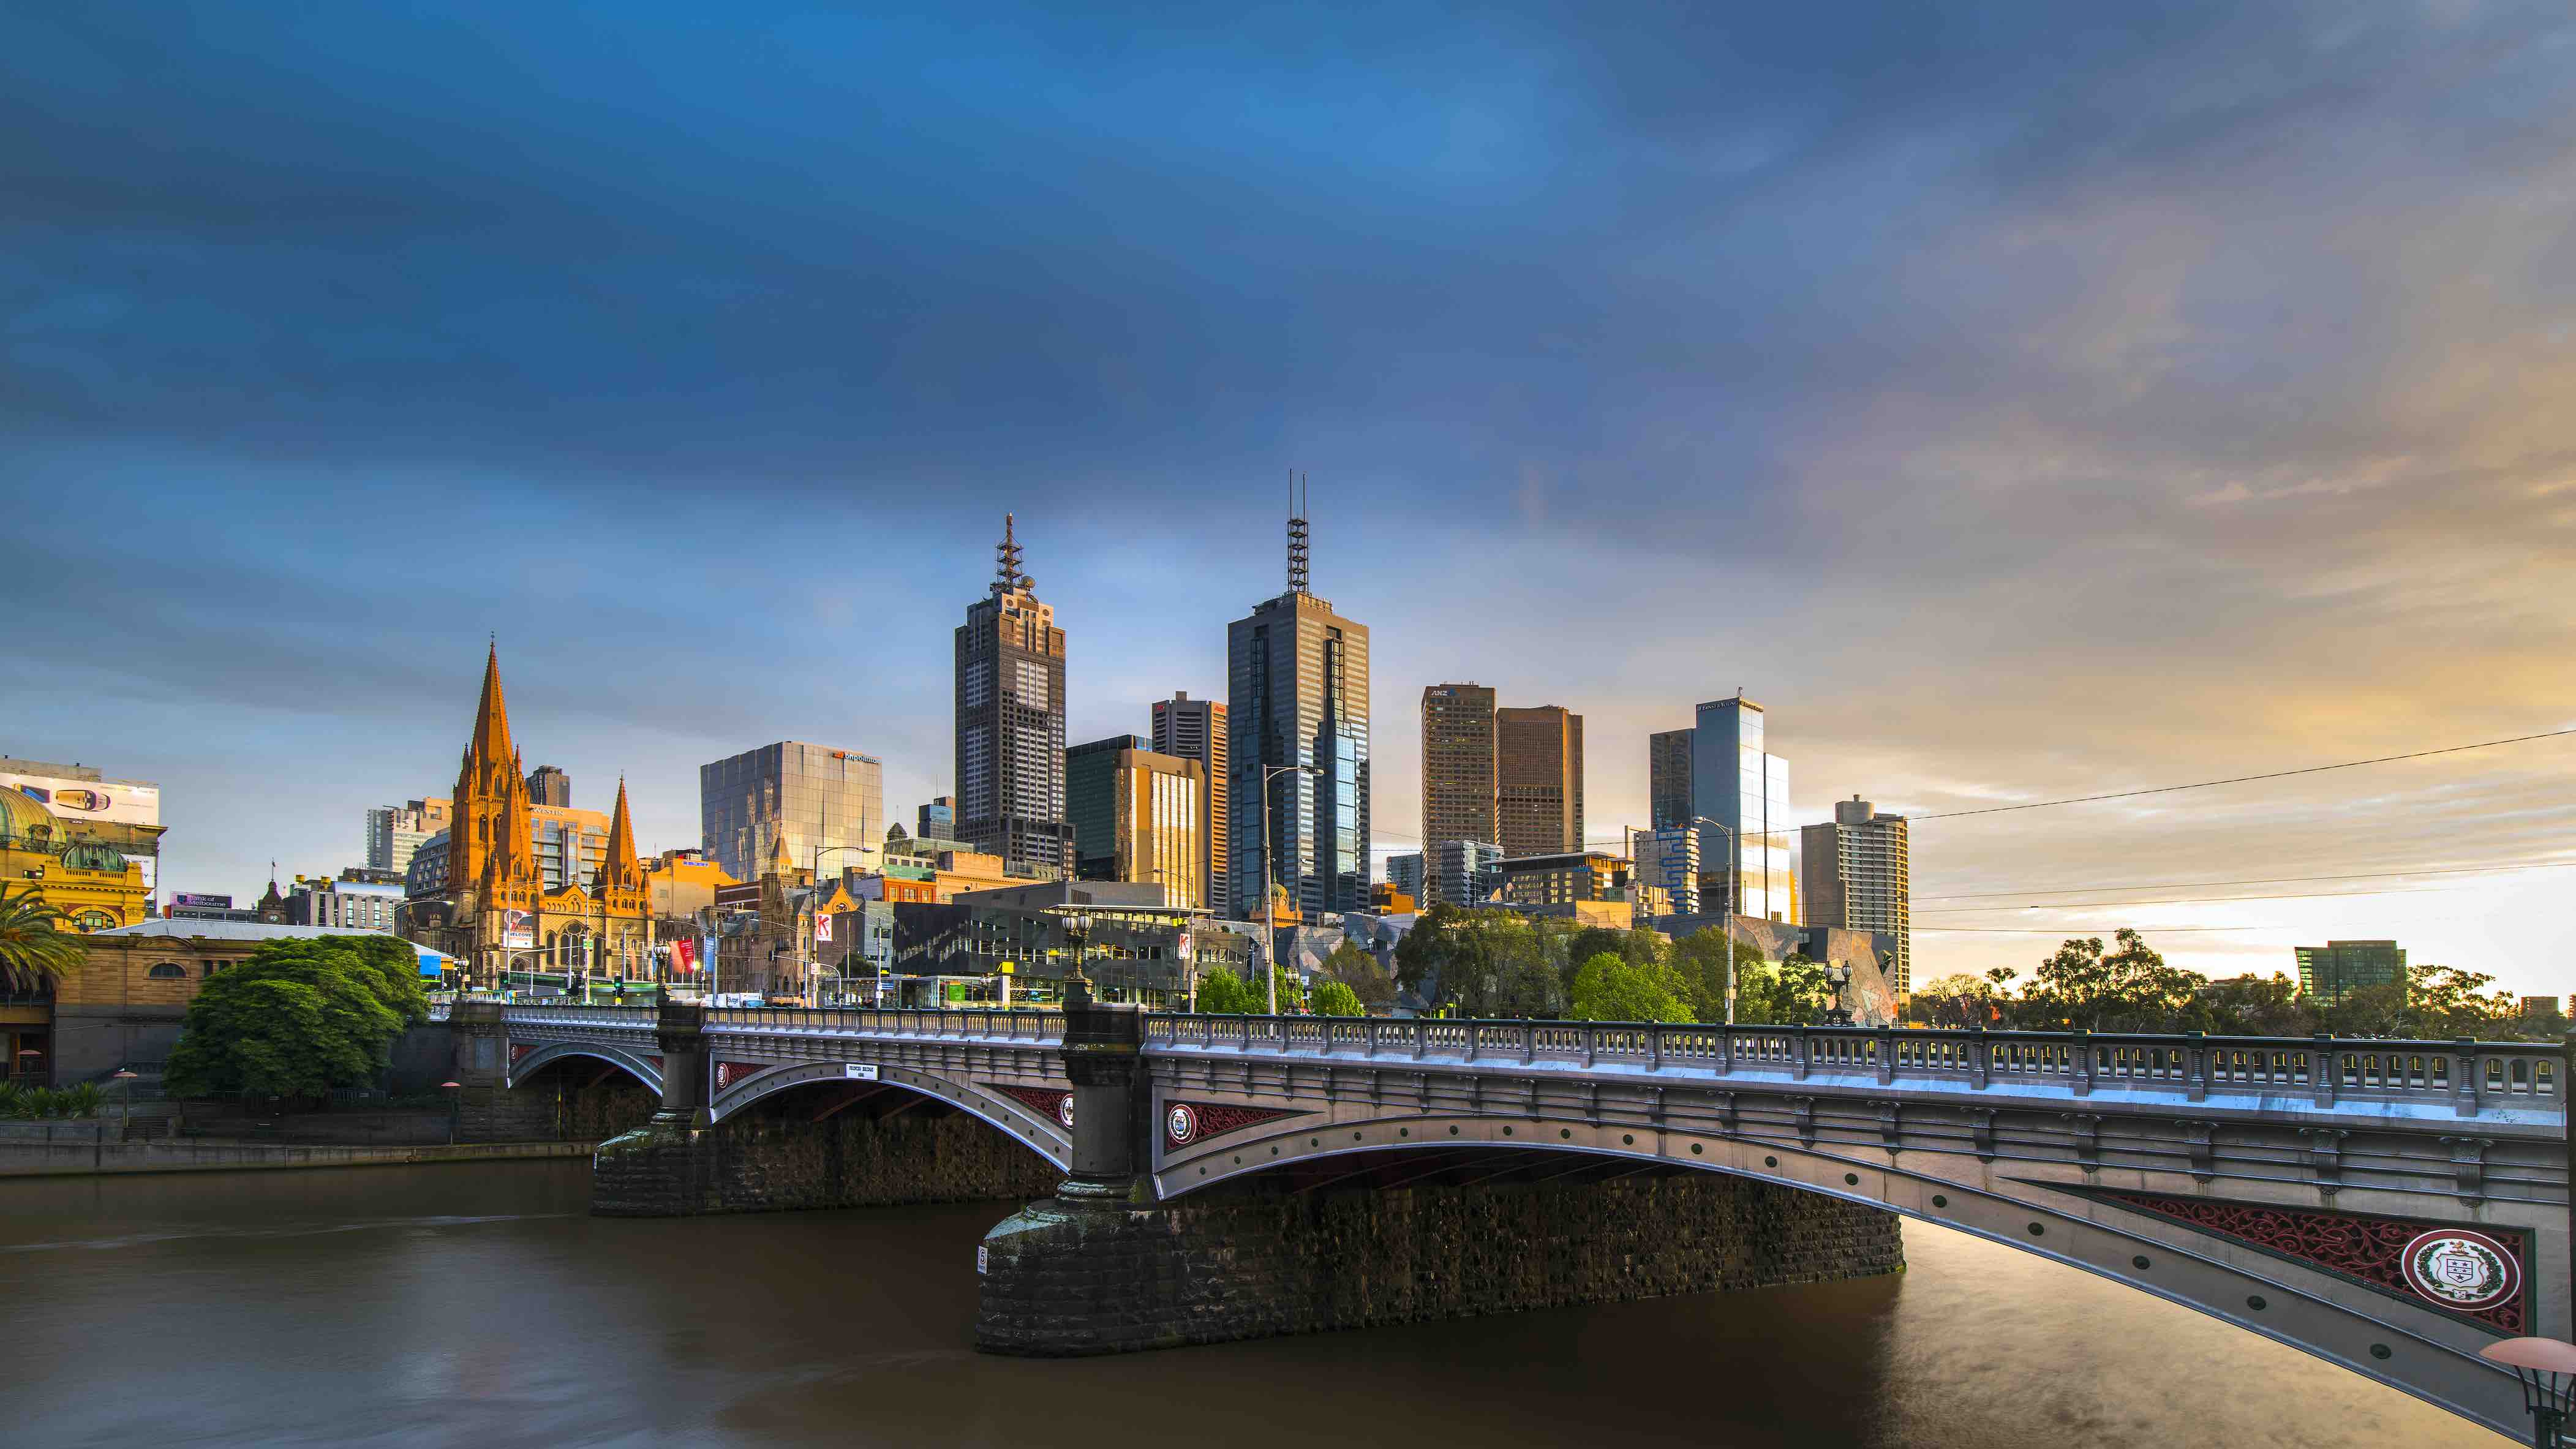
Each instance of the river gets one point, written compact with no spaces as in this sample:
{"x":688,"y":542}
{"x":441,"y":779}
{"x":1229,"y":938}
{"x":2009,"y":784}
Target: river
{"x":481,"y":1305}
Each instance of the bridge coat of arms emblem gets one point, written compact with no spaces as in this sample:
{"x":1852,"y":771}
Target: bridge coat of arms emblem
{"x":2461,"y":1269}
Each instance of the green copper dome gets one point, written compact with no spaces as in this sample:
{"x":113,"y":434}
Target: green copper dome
{"x":27,"y":824}
{"x":94,"y":855}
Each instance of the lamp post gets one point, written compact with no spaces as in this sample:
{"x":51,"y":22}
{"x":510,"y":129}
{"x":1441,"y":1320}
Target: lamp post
{"x":1726,"y":922}
{"x":805,"y":969}
{"x":2547,"y":1369}
{"x":451,"y":1088}
{"x":1269,"y":911}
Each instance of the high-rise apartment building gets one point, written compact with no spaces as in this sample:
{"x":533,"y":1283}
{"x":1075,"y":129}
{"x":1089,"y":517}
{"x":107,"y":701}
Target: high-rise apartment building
{"x":1457,"y":768}
{"x":808,"y":795}
{"x":1463,"y":872}
{"x":1668,"y":861}
{"x":1856,"y":876}
{"x":1404,"y":872}
{"x":1139,"y":815}
{"x":1745,"y":789}
{"x":549,"y":785}
{"x":396,"y":832}
{"x":1668,"y":777}
{"x":1194,"y":729}
{"x":2334,"y":970}
{"x":1010,"y":723}
{"x":1538,"y":780}
{"x":1298,"y":695}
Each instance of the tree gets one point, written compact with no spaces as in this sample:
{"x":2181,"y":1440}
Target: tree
{"x":298,"y":1018}
{"x":2256,"y":1006}
{"x":1701,"y":959}
{"x":1223,"y":993}
{"x":1500,"y":966}
{"x":1425,"y":950}
{"x":33,"y":949}
{"x":2128,"y":989}
{"x":1954,"y":1002}
{"x":1359,"y":971}
{"x":1608,"y":987}
{"x":1332,"y":998}
{"x":1783,"y":993}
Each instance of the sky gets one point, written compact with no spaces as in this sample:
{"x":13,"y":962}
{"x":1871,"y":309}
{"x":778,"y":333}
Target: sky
{"x":2018,"y":401}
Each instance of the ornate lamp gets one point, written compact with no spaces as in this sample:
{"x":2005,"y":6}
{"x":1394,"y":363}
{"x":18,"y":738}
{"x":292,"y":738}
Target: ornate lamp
{"x":2547,"y":1369}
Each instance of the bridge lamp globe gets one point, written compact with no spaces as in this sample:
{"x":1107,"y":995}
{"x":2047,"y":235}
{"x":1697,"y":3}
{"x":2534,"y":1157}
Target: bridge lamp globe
{"x":2547,"y":1368}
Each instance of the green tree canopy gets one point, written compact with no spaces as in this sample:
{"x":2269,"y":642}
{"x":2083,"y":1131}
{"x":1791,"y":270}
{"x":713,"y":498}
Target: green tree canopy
{"x":1223,"y":993}
{"x":1332,"y":998}
{"x":1609,"y":987}
{"x":298,"y":1018}
{"x":1358,"y":970}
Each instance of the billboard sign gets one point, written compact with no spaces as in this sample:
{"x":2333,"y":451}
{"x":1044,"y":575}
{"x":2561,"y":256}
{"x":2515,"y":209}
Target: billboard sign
{"x":90,"y":800}
{"x":184,"y":898}
{"x":823,"y":929}
{"x":518,"y":930}
{"x":684,"y":956}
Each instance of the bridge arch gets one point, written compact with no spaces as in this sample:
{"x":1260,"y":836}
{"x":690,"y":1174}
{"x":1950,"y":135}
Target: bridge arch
{"x":1040,"y":1133}
{"x":636,"y":1064}
{"x":2416,"y":1352}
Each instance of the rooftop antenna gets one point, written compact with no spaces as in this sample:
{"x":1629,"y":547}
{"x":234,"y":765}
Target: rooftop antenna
{"x":1296,"y":536}
{"x":1006,"y":561}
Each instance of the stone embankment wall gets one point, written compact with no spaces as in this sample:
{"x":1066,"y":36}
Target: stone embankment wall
{"x":1065,"y":1279}
{"x":782,"y":1163}
{"x":559,"y":1106}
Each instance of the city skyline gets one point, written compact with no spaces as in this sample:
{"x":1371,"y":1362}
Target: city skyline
{"x":2036,"y":448}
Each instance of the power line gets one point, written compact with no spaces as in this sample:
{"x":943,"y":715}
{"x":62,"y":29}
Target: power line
{"x":2195,"y":900}
{"x":2063,"y":930}
{"x":2257,"y":880}
{"x":2242,"y":779}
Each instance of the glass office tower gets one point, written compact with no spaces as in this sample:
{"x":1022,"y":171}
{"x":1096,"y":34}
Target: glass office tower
{"x":1298,"y":694}
{"x":814,"y":795}
{"x":1738,"y":784}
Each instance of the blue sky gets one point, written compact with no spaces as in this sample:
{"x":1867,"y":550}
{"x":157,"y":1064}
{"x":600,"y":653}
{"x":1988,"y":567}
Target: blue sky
{"x":2020,"y":401}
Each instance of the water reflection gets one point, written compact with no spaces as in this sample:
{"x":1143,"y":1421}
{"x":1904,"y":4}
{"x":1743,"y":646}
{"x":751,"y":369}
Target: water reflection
{"x":482,"y":1305}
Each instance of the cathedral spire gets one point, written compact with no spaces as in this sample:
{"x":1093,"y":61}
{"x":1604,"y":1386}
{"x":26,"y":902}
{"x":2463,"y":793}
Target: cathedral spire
{"x":619,"y":867}
{"x":492,"y":716}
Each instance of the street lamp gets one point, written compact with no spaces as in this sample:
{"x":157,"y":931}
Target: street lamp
{"x":815,"y":869}
{"x":1726,"y":922}
{"x":2547,"y":1369}
{"x":451,"y":1088}
{"x":1270,"y":912}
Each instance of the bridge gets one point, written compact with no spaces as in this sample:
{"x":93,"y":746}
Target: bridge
{"x":2392,"y":1206}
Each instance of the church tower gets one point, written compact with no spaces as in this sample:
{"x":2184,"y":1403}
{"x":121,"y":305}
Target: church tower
{"x":620,"y":890}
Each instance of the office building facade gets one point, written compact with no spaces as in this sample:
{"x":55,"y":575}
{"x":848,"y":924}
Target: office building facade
{"x":1462,"y":872}
{"x":1538,"y":779}
{"x":1458,"y":768}
{"x":1194,"y":729}
{"x":1090,"y":770}
{"x":1668,"y":861}
{"x":806,"y":794}
{"x":1298,"y":695}
{"x":937,"y":820}
{"x":343,"y":904}
{"x":1739,"y":784}
{"x":1855,"y":875}
{"x":1010,"y":723}
{"x":396,"y":832}
{"x":2330,"y":972}
{"x":1404,"y":872}
{"x":549,"y":785}
{"x":1668,"y":777}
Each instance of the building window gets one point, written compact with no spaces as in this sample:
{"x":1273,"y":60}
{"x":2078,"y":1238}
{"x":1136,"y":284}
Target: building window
{"x":168,"y":971}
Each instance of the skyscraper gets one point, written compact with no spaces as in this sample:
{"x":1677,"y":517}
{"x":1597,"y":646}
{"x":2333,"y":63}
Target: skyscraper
{"x":1745,"y":789}
{"x":549,"y":785}
{"x":1538,"y":780}
{"x":1856,"y":876}
{"x":1194,"y":729}
{"x":1668,"y":777}
{"x":1457,"y":770}
{"x":808,"y":795}
{"x":1138,"y":816}
{"x":938,"y":819}
{"x":395,"y":832}
{"x":1010,"y":723}
{"x":1298,"y":695}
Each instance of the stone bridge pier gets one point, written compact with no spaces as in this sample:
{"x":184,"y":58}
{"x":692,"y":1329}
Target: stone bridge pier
{"x":1105,"y":1266}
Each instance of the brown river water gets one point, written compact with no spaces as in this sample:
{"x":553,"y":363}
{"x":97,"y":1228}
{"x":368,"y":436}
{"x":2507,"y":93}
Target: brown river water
{"x":481,"y":1305}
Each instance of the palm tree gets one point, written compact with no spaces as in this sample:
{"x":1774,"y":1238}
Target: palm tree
{"x":32,"y":950}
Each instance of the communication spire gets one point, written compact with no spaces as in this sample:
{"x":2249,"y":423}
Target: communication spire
{"x":1296,"y":534}
{"x":1006,"y":561}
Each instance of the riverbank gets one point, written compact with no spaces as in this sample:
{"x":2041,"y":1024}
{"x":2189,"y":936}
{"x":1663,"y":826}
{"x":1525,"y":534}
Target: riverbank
{"x":81,"y":1149}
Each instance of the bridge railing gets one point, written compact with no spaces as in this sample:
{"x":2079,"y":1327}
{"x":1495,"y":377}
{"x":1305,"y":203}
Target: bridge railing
{"x":997,"y":1024}
{"x":2468,"y":1075}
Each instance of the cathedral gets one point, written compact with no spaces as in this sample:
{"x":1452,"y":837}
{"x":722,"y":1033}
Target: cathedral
{"x":496,"y":913}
